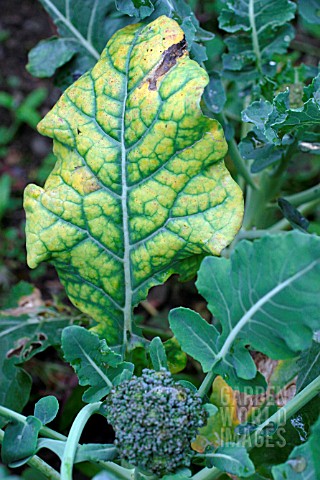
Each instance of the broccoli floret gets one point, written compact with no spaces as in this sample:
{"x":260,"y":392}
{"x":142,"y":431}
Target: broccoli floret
{"x":155,"y":420}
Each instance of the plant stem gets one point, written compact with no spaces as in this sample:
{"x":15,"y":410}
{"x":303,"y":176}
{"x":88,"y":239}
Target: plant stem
{"x":295,"y":404}
{"x":74,"y":437}
{"x":257,"y":201}
{"x":234,"y":153}
{"x":239,"y":163}
{"x":207,"y":382}
{"x":37,"y":463}
{"x":121,"y":472}
{"x":254,"y":35}
{"x":48,"y":432}
{"x":297,"y":199}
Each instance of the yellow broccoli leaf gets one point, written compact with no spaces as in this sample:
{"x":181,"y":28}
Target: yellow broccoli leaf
{"x":140,"y":190}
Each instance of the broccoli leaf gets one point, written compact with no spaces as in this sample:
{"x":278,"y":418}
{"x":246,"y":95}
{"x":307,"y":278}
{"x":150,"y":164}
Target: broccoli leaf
{"x":292,"y":214}
{"x":48,"y":55}
{"x":20,"y":441}
{"x":214,"y":94}
{"x":158,"y":354}
{"x":140,"y":190}
{"x":309,"y":366}
{"x":230,"y":458}
{"x":255,"y":146}
{"x":262,"y":31}
{"x":271,"y":317}
{"x":46,"y":409}
{"x":135,"y":8}
{"x":84,"y":29}
{"x":94,"y":362}
{"x":25,"y":331}
{"x":303,"y":461}
{"x":310,"y":11}
{"x":276,"y":119}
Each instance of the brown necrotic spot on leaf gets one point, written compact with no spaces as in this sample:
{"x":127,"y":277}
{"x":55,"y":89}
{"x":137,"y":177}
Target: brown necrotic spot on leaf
{"x":169,"y":59}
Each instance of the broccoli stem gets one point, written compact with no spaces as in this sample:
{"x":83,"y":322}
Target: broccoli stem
{"x":74,"y":437}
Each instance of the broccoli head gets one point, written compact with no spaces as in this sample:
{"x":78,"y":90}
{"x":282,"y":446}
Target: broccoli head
{"x":155,"y":420}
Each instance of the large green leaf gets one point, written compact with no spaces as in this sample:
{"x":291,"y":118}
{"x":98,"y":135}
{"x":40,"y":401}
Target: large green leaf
{"x":266,"y":297}
{"x":140,"y":190}
{"x":310,"y":11}
{"x":262,"y":31}
{"x":309,"y":366}
{"x":303,"y":462}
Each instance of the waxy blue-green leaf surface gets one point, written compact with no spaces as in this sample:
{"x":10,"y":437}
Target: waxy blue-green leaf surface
{"x":230,"y":458}
{"x":261,"y":30}
{"x":266,"y":296}
{"x":20,"y":440}
{"x":140,"y":190}
{"x":308,"y":366}
{"x":95,"y":363}
{"x":276,"y":119}
{"x":46,"y":409}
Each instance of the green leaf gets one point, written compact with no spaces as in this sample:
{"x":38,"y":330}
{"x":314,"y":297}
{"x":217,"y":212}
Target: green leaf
{"x":309,"y":366}
{"x":84,"y":30}
{"x":277,"y":119}
{"x":310,"y":11}
{"x":135,"y":8}
{"x":176,"y":358}
{"x":232,"y":459}
{"x":256,"y":147}
{"x":214,"y":94}
{"x":140,"y":190}
{"x":303,"y":461}
{"x":270,"y":318}
{"x":5,"y":475}
{"x":94,"y":362}
{"x":294,"y":217}
{"x":46,"y":409}
{"x":19,"y":290}
{"x":158,"y":354}
{"x":15,"y":385}
{"x":5,"y":191}
{"x":195,"y":335}
{"x":262,"y":31}
{"x":48,"y":55}
{"x":20,"y":441}
{"x":23,"y":335}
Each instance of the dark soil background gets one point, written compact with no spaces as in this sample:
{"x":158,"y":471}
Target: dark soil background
{"x":22,"y":25}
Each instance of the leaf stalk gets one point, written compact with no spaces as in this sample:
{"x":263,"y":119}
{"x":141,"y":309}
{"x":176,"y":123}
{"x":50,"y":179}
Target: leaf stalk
{"x":74,"y":437}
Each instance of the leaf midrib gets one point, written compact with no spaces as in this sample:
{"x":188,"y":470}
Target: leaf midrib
{"x":127,"y":311}
{"x":87,"y":45}
{"x":256,"y":307}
